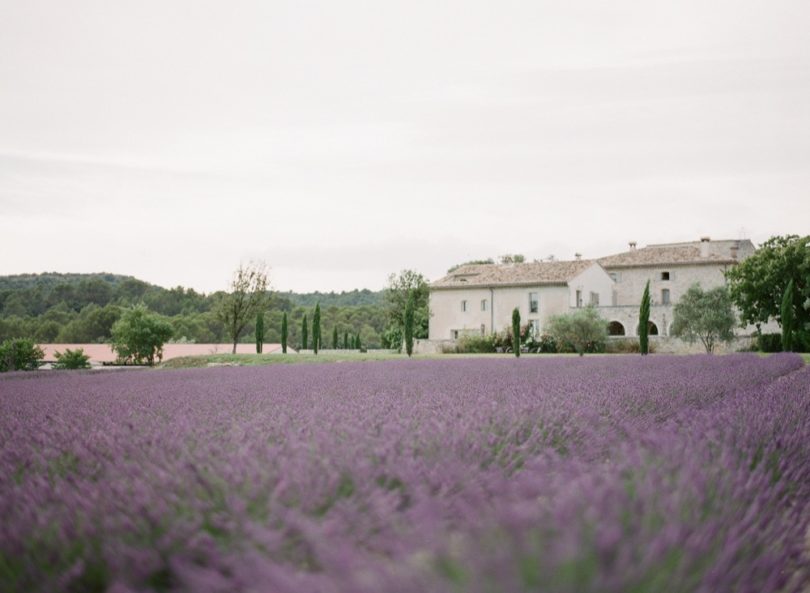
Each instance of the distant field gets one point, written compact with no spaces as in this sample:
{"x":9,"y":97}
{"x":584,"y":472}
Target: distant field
{"x":102,"y":353}
{"x":563,"y":474}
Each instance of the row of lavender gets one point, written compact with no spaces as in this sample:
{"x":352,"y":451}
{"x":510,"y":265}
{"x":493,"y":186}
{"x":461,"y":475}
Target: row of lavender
{"x":633,"y":474}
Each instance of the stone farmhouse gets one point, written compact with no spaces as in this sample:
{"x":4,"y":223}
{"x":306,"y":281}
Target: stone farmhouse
{"x":479,"y":299}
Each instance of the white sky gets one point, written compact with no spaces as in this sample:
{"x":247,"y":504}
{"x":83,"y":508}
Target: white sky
{"x":342,"y":141}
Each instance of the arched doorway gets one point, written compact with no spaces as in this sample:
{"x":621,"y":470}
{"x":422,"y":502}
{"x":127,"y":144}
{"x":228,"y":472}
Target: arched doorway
{"x":615,"y":329}
{"x":652,"y":329}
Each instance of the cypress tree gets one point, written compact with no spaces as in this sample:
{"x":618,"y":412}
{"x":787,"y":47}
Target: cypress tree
{"x":345,"y":340}
{"x":644,"y":321}
{"x":284,"y":333}
{"x":357,"y":343}
{"x":316,"y":328}
{"x":409,"y":325}
{"x":516,"y":331}
{"x":304,"y":330}
{"x":334,"y":338}
{"x":787,"y":318}
{"x":259,"y":332}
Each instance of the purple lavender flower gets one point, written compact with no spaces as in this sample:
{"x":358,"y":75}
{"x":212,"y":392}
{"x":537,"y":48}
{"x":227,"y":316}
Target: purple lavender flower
{"x":607,"y":474}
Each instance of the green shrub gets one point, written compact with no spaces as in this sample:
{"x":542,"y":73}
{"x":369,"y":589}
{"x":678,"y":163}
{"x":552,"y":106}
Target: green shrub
{"x":472,"y":343}
{"x":72,"y":359}
{"x":626,"y":346}
{"x":138,"y":336}
{"x":546,"y":344}
{"x":20,"y":354}
{"x":503,"y":341}
{"x":582,"y":331}
{"x":769,"y":342}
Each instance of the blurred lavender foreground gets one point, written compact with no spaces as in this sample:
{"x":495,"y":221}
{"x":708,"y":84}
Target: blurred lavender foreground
{"x":654,"y":474}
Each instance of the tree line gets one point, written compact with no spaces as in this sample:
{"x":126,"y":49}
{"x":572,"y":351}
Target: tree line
{"x":82,"y":308}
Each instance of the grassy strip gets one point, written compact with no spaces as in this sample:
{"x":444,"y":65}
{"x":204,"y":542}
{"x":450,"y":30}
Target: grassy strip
{"x":185,"y":362}
{"x":189,"y":362}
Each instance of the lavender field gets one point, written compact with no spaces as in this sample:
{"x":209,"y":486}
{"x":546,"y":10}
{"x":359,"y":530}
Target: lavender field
{"x":605,"y":474}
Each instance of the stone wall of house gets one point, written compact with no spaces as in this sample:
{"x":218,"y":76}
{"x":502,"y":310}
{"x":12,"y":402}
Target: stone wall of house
{"x":433,"y":346}
{"x":630,"y":282}
{"x":627,"y":316}
{"x":670,"y":345}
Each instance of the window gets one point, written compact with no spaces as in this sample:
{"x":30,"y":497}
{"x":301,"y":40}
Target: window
{"x":463,"y":306}
{"x":483,"y":329}
{"x":616,"y":277}
{"x":534,"y":328}
{"x":534,"y":305}
{"x":594,"y":299}
{"x":664,"y":296}
{"x":579,"y":298}
{"x":484,"y":305}
{"x":454,"y":334}
{"x":664,"y":275}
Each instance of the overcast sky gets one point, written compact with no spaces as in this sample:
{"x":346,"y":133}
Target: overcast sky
{"x":342,"y":141}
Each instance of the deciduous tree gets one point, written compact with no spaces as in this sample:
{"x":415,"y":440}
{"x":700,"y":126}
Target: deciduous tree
{"x":395,"y":299}
{"x":757,"y":284}
{"x":707,"y":316}
{"x":247,"y":296}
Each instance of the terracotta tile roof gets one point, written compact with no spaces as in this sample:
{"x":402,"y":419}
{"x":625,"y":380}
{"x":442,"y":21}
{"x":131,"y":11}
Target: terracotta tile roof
{"x":720,"y":252}
{"x":527,"y":274}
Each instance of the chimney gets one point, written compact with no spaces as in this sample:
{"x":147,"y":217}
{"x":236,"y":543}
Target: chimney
{"x":578,"y":256}
{"x":632,"y":245}
{"x":734,"y":249}
{"x":704,"y":246}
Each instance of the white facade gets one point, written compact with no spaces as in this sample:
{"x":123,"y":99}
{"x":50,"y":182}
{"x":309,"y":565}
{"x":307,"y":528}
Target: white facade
{"x":456,"y":311}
